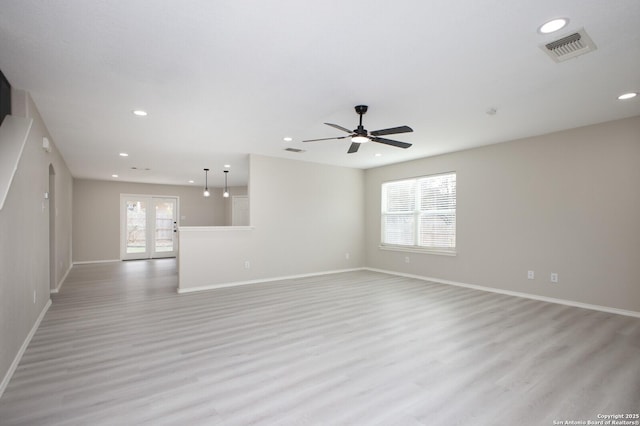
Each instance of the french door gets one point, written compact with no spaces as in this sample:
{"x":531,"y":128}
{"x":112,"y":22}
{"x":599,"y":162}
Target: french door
{"x":148,"y":227}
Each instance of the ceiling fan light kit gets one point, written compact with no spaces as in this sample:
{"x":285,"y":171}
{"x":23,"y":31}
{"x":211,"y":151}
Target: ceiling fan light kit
{"x":361,"y":135}
{"x":360,"y":139}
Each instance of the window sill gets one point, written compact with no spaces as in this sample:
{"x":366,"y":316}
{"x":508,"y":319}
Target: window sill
{"x":419,"y":250}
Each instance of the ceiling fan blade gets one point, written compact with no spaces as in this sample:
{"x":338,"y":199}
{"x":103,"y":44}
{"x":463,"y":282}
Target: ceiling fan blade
{"x":392,"y":131}
{"x":339,"y":127}
{"x":353,"y":148}
{"x":325,"y":139}
{"x":391,"y":142}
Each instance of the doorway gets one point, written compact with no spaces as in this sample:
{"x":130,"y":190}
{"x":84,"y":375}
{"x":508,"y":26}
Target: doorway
{"x":149,"y":227}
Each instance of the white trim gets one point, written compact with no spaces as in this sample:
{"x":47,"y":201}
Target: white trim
{"x":86,"y":262}
{"x":214,"y":228}
{"x":516,"y":294}
{"x":262,"y":280}
{"x":57,"y":289}
{"x":23,"y":348}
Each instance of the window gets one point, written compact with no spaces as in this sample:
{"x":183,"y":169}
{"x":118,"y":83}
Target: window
{"x":420,"y":213}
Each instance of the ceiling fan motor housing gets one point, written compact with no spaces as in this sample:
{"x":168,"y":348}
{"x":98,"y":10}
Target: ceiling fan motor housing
{"x":361,"y":109}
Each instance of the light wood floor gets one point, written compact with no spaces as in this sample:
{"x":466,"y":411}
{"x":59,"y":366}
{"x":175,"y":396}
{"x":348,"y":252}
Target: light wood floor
{"x":119,"y":346}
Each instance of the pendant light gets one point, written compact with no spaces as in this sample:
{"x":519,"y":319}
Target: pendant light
{"x":206,"y":192}
{"x":225,"y":194}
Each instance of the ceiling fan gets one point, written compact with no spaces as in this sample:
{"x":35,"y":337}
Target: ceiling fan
{"x":361,"y":135}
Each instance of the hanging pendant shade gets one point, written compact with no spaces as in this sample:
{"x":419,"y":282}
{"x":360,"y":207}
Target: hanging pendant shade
{"x":206,"y":192}
{"x":225,"y":194}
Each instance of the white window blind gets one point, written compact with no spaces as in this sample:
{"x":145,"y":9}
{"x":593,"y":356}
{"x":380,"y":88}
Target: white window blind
{"x":420,"y":213}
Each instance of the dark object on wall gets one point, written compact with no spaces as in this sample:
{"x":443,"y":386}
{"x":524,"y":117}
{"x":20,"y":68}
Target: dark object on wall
{"x":5,"y":97}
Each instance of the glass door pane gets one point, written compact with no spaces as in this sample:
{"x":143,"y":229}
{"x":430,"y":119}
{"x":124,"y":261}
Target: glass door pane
{"x":136,"y":223}
{"x":165,"y":225}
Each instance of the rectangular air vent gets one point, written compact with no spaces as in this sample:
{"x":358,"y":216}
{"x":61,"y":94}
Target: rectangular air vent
{"x":294,"y":150}
{"x":569,"y":46}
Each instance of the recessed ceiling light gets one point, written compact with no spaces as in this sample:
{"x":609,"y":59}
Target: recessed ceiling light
{"x":139,"y":112}
{"x":124,"y":154}
{"x":226,"y":166}
{"x":378,"y":155}
{"x":287,"y":139}
{"x":114,"y":176}
{"x":627,"y":96}
{"x":191,"y":180}
{"x":553,"y":25}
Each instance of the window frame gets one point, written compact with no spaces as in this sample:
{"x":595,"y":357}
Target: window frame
{"x":417,"y":213}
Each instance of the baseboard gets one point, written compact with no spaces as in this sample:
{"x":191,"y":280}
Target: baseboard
{"x":25,"y":344}
{"x":516,"y":294}
{"x":57,"y":289}
{"x":262,"y":280}
{"x":86,"y":262}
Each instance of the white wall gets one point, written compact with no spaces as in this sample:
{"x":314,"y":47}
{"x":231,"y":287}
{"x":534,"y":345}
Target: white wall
{"x":305,"y":217}
{"x":566,"y":202}
{"x":24,"y":237}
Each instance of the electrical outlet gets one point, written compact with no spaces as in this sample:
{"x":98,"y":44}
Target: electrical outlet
{"x":247,"y":264}
{"x":347,"y":256}
{"x":407,"y":259}
{"x":554,"y":277}
{"x":530,"y":275}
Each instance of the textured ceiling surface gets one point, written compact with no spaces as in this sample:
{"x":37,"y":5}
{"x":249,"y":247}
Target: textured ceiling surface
{"x":221,"y":79}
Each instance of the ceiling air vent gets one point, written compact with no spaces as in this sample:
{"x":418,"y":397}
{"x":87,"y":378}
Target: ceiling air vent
{"x":294,"y":150}
{"x":570,"y":46}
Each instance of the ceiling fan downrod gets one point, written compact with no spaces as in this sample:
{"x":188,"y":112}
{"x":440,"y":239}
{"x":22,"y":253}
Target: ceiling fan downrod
{"x":361,"y":110}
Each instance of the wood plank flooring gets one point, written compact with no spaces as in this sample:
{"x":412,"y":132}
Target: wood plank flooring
{"x":119,"y":346}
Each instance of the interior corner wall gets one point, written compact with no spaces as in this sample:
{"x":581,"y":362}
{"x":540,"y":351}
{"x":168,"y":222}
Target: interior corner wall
{"x":307,"y":216}
{"x":566,"y":202}
{"x":304,"y":219}
{"x":96,"y":214}
{"x":62,"y":203}
{"x":24,"y":242}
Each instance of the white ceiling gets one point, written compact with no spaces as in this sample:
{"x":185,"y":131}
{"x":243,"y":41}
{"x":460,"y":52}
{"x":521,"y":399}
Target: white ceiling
{"x":221,"y":79}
